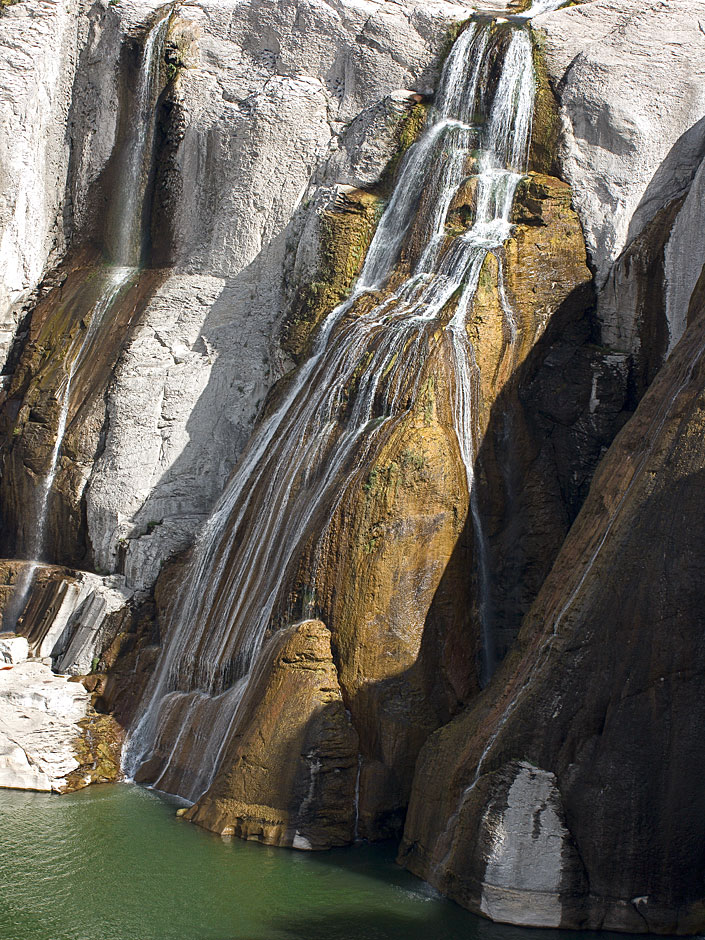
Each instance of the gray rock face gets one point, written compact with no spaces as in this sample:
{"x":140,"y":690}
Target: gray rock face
{"x":39,"y":715}
{"x":684,"y":258}
{"x":38,"y":45}
{"x":630,"y":79}
{"x":526,"y":842}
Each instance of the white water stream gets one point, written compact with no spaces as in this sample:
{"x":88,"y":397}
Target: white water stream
{"x":363,"y":375}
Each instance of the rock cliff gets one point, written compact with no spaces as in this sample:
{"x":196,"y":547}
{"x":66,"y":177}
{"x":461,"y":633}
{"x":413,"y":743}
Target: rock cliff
{"x":533,"y":827}
{"x":629,"y":80}
{"x":572,"y":781}
{"x":301,"y":730}
{"x":550,"y":534}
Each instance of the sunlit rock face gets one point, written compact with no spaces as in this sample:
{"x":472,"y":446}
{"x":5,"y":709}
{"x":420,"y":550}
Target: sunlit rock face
{"x":291,"y":93}
{"x":50,"y":739}
{"x":360,"y":513}
{"x":39,"y":44}
{"x":199,"y":347}
{"x":629,"y":78}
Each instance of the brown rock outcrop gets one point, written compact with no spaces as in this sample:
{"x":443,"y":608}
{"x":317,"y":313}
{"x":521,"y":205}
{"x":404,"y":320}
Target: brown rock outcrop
{"x":289,"y":775}
{"x":97,"y":751}
{"x":376,"y":571}
{"x":390,"y":573}
{"x":345,"y":229}
{"x":573,"y":793}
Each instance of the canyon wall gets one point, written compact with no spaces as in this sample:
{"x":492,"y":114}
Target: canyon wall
{"x":568,"y":558}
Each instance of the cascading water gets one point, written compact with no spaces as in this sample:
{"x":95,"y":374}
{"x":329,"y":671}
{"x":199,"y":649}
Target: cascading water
{"x":125,"y":256}
{"x":362,"y":378}
{"x":135,"y":159}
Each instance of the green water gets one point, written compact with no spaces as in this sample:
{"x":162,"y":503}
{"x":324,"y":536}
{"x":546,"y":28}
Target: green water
{"x":114,"y":863}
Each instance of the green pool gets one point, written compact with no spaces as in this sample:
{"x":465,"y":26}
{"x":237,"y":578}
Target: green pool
{"x":114,"y":863}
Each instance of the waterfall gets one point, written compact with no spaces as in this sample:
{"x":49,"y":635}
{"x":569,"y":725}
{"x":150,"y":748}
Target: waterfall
{"x":362,"y":377}
{"x":135,"y":159}
{"x":127,"y":209}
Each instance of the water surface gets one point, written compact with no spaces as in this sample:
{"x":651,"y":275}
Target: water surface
{"x":114,"y":863}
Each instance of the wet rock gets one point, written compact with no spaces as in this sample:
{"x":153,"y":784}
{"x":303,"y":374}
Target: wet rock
{"x":329,"y":256}
{"x":602,"y":694}
{"x":552,"y":399}
{"x":378,"y":567}
{"x":289,"y":777}
{"x":390,"y":570}
{"x":97,"y":751}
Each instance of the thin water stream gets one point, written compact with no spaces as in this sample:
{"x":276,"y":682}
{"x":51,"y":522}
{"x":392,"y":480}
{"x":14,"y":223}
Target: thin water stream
{"x":125,"y":250}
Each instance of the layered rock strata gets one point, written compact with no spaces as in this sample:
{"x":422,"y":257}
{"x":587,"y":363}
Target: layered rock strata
{"x":70,"y":616}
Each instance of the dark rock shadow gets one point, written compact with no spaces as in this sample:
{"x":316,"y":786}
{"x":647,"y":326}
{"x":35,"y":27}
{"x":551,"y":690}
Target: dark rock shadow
{"x":548,"y":429}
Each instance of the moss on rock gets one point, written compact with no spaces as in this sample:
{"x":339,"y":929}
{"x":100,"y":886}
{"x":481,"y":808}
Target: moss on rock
{"x":345,"y":231}
{"x":97,"y":751}
{"x":546,"y":130}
